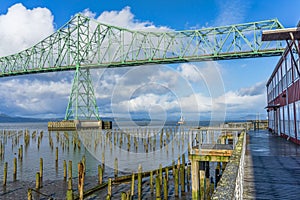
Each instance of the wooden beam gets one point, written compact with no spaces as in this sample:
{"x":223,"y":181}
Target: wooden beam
{"x":281,"y":34}
{"x":194,"y":157}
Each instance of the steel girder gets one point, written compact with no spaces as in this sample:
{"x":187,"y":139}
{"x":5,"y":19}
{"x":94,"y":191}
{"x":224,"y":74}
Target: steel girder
{"x":82,"y":101}
{"x":88,"y":43}
{"x":84,"y":43}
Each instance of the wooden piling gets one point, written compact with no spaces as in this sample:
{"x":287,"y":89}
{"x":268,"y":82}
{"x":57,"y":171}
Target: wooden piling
{"x":188,"y":175}
{"x":176,"y":182}
{"x":70,"y":169}
{"x":123,"y":196}
{"x":103,"y":161}
{"x":41,"y":170}
{"x":160,"y":174}
{"x":15,"y":169}
{"x":158,"y":188}
{"x":182,"y":178}
{"x":37,"y":180}
{"x":29,"y":194}
{"x":202,"y":180}
{"x":56,"y":155}
{"x":70,"y":190}
{"x":132,"y":185}
{"x":151,"y":182}
{"x":165,"y":188}
{"x":5,"y":174}
{"x":80,"y":179}
{"x":195,"y":179}
{"x":65,"y":170}
{"x":109,"y":188}
{"x":140,"y":182}
{"x":100,"y":174}
{"x":116,"y":167}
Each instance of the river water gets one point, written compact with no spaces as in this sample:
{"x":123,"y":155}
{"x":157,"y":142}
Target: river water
{"x":131,"y":146}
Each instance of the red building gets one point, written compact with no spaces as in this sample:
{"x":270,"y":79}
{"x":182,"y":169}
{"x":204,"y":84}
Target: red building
{"x":283,"y":87}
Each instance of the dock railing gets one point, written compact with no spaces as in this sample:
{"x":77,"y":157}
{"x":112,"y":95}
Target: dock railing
{"x":231,"y":184}
{"x":203,"y":137}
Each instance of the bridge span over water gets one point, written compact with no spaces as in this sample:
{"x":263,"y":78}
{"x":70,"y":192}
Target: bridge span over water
{"x":84,"y":43}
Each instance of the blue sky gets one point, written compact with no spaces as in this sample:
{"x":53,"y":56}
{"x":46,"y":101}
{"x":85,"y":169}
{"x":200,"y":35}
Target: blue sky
{"x":235,"y":87}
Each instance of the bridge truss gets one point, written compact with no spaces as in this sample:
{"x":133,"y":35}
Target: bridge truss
{"x":84,"y":43}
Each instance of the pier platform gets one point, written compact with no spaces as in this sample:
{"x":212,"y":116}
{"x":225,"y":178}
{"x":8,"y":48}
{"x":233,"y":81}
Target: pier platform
{"x":73,"y":125}
{"x":272,"y":167}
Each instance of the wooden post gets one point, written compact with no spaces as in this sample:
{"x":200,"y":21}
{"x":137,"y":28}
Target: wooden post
{"x":56,"y":155}
{"x":103,"y":161}
{"x":41,"y":169}
{"x":140,"y":182}
{"x":165,"y":188}
{"x":15,"y":169}
{"x":176,"y":183}
{"x":80,"y":179}
{"x":195,"y":179}
{"x":5,"y":174}
{"x":100,"y":174}
{"x":109,"y":188}
{"x":167,"y":173}
{"x":160,"y":174}
{"x":65,"y":170}
{"x":217,"y":174}
{"x":157,"y":185}
{"x":21,"y":152}
{"x":116,"y":167}
{"x":123,"y":196}
{"x":151,"y":182}
{"x":188,"y":175}
{"x":182,"y":178}
{"x":70,"y":169}
{"x":202,"y":180}
{"x":132,"y":185}
{"x":70,"y":190}
{"x":29,"y":194}
{"x":37,"y":180}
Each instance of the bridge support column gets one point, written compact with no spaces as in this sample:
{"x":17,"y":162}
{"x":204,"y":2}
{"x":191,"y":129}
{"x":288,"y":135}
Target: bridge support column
{"x":82,"y":101}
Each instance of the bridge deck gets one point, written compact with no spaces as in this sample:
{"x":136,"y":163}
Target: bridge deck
{"x":272,"y":167}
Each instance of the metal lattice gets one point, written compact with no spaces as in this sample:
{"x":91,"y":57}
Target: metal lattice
{"x":82,"y":102}
{"x":84,"y":43}
{"x":89,"y":43}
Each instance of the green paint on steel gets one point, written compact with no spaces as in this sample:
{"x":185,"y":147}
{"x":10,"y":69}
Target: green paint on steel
{"x":91,"y":44}
{"x":82,"y":101}
{"x":84,"y":43}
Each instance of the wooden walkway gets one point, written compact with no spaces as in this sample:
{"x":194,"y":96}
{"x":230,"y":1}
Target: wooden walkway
{"x":272,"y":167}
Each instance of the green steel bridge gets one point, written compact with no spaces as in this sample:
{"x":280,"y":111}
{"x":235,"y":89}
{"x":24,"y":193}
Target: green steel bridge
{"x":84,"y":43}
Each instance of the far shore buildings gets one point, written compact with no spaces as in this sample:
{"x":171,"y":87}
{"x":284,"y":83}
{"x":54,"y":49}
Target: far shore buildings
{"x":283,"y":87}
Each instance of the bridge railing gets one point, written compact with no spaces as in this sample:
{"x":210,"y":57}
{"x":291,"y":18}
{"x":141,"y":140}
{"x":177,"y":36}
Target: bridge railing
{"x":231,"y":183}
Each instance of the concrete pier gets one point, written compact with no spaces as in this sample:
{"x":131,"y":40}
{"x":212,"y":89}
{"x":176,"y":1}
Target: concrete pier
{"x":72,"y":125}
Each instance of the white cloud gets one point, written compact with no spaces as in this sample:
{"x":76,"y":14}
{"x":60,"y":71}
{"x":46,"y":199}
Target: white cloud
{"x":125,"y":18}
{"x":20,"y":28}
{"x":154,"y":89}
{"x":33,"y":97}
{"x":231,"y":12}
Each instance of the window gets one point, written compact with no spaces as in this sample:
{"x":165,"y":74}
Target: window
{"x":281,"y":120}
{"x":292,"y":125}
{"x":286,"y":120}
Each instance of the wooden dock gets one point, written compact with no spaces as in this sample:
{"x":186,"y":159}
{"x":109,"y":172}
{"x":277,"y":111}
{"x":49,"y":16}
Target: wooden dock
{"x":271,"y":167}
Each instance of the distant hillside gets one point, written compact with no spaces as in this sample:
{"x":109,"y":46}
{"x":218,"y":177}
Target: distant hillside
{"x":5,"y":119}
